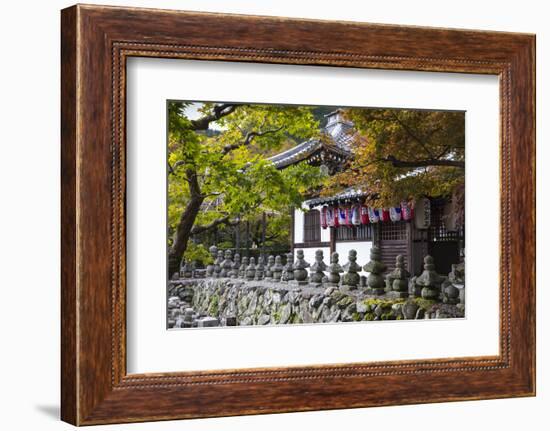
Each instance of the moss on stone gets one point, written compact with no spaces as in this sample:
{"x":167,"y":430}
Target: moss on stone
{"x":383,"y":302}
{"x":213,"y":308}
{"x":344,"y":301}
{"x":356,"y":317}
{"x":369,"y":316}
{"x":295,"y":318}
{"x":425,"y":304}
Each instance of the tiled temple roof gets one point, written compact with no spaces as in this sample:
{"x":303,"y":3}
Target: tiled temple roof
{"x":351,"y":195}
{"x":304,"y":150}
{"x":340,"y":132}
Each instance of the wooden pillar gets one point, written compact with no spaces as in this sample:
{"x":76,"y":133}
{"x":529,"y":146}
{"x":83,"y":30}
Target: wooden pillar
{"x":376,"y":234}
{"x":409,"y":257}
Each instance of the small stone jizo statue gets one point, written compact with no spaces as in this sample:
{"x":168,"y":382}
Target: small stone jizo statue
{"x":399,"y":278}
{"x":334,"y":270}
{"x":260,"y":269}
{"x":251,"y":269}
{"x":242,"y":268}
{"x":300,"y":271}
{"x":288,"y":269}
{"x":453,"y":287}
{"x":227,"y":264}
{"x":375,"y":268}
{"x":214,"y":254}
{"x":430,"y":280}
{"x":186,"y":270}
{"x":236,"y":266}
{"x":277,"y":269}
{"x":218,"y":264}
{"x":318,"y":268}
{"x":270,"y":263}
{"x":351,"y":277}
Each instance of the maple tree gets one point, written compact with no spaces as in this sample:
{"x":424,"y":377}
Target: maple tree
{"x":219,"y":172}
{"x":401,"y":155}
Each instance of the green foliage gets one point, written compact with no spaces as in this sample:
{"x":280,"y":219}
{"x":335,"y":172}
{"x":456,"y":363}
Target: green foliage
{"x":234,"y":176}
{"x":198,"y":253}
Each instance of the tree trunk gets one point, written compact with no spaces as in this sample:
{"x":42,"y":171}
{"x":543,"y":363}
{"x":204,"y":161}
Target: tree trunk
{"x":187,"y":220}
{"x":183,"y":233}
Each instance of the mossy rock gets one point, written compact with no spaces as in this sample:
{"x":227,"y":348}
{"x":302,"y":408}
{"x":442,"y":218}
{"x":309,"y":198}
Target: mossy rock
{"x":345,"y":301}
{"x":213,"y":308}
{"x":369,"y":316}
{"x":387,"y":316}
{"x":425,"y":304}
{"x":295,"y":318}
{"x":337,"y":295}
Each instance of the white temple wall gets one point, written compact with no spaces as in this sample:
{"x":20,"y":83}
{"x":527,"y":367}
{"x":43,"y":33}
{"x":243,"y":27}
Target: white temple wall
{"x":361,"y":247}
{"x":298,"y":226}
{"x":309,"y":254}
{"x":325,"y":234}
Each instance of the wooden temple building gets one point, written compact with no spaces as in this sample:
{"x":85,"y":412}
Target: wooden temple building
{"x":342,"y":222}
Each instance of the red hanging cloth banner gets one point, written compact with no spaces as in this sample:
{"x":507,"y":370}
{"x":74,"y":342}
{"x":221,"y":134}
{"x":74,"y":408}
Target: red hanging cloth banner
{"x":407,"y":212}
{"x":384,"y":214}
{"x":364,"y":215}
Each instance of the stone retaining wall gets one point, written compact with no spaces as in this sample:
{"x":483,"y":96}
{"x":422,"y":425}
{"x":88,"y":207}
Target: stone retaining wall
{"x":230,"y":302}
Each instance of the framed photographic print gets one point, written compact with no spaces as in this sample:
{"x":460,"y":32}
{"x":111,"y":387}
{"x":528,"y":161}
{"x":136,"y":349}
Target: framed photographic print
{"x":268,"y":215}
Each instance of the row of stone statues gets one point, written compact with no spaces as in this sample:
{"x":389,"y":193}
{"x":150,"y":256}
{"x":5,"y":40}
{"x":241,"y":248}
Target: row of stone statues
{"x":397,"y":283}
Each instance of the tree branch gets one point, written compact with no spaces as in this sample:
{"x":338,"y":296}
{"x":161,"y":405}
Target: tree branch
{"x":203,"y":228}
{"x":194,"y":188}
{"x":422,"y":163}
{"x":412,"y":134}
{"x":248,"y":139}
{"x":219,"y":111}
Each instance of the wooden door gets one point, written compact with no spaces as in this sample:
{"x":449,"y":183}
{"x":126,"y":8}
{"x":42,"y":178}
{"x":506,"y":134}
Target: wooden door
{"x":393,"y":239}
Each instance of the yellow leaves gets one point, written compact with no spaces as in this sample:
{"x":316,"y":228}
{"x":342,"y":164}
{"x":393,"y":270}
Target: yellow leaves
{"x":404,"y":135}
